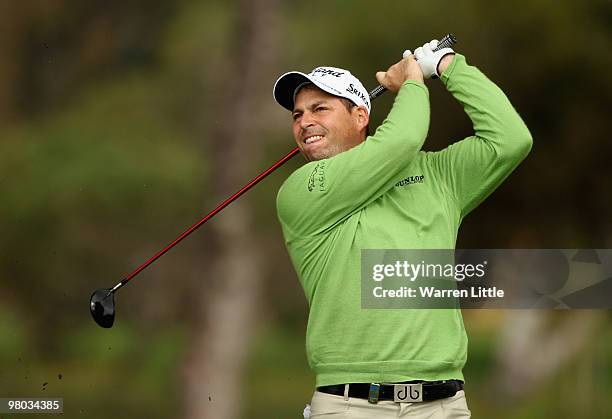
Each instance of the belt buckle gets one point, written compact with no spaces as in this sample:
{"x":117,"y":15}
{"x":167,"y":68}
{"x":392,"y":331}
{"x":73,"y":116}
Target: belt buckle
{"x":374,"y":393}
{"x":408,"y":393}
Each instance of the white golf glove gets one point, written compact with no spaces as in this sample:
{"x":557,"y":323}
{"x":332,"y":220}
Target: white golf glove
{"x":429,"y":59}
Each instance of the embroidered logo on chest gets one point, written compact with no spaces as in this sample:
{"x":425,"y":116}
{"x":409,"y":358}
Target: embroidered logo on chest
{"x":317,"y":178}
{"x":410,"y":180}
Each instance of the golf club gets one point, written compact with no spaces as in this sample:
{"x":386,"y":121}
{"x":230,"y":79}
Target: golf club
{"x":102,"y":302}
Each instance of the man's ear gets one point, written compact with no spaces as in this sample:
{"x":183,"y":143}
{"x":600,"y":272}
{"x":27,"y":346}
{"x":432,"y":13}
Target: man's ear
{"x":362,"y":116}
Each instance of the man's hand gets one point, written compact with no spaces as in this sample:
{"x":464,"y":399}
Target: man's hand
{"x":433,"y":63}
{"x":398,"y":73}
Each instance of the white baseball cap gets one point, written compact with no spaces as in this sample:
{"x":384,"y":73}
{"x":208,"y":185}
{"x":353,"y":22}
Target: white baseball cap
{"x":335,"y":81}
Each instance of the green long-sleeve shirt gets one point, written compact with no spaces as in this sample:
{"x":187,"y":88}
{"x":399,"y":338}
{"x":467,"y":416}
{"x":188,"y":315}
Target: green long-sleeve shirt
{"x":387,"y":194}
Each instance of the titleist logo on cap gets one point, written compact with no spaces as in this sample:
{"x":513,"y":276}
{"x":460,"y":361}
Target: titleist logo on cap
{"x":335,"y":81}
{"x":326,"y":71}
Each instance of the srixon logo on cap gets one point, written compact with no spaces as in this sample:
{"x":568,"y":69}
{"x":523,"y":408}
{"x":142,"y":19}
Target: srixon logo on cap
{"x":352,"y":89}
{"x":326,"y":71}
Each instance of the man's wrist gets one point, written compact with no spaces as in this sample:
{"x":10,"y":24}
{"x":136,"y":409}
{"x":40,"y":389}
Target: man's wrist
{"x":445,"y":62}
{"x":420,"y":83}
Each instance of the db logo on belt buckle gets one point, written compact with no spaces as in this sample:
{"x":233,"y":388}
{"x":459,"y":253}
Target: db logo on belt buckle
{"x":408,"y":393}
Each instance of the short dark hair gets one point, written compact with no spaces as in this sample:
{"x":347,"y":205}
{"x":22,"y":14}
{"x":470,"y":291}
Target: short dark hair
{"x":349,"y":104}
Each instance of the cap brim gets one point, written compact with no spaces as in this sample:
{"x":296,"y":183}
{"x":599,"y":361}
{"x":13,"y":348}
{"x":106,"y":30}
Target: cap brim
{"x":285,"y":86}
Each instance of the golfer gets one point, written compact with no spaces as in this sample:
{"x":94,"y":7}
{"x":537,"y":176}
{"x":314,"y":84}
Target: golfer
{"x":380,"y":191}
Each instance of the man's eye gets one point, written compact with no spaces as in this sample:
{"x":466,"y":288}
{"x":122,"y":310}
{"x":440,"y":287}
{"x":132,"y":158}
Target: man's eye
{"x":321,"y":108}
{"x":296,"y":116}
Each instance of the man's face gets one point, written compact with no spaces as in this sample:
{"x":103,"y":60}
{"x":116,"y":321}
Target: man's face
{"x":323,"y":126}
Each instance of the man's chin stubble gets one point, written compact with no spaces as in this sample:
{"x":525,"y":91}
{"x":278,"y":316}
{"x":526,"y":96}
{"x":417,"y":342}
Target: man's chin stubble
{"x":323,"y":154}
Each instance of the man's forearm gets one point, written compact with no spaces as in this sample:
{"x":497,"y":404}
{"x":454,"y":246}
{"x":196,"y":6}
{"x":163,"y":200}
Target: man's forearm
{"x":494,"y":118}
{"x":444,"y":63}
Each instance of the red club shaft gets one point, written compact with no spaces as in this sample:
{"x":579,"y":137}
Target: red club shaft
{"x":207,"y":217}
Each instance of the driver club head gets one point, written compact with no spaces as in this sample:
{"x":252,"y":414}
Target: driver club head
{"x":102,"y":307}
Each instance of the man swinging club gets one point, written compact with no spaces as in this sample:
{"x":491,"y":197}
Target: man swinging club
{"x":348,"y":198}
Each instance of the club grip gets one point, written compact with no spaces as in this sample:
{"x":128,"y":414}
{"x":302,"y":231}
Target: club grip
{"x":447,"y":42}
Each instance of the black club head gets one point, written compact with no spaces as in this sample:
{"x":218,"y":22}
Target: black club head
{"x":102,"y":307}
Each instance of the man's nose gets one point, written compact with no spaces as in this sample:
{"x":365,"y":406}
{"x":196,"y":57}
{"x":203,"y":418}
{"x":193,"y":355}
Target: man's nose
{"x":307,"y":120}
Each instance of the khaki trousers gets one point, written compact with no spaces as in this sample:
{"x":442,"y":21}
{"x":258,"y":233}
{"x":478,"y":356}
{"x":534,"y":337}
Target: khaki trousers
{"x":330,"y":406}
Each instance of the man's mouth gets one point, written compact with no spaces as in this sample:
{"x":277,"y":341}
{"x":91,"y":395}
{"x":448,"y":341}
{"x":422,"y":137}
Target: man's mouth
{"x":313,"y":139}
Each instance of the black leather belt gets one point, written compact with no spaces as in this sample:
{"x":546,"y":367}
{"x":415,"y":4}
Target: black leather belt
{"x":432,"y":390}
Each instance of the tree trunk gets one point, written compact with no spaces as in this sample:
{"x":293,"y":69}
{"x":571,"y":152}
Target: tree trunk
{"x":228,"y":296}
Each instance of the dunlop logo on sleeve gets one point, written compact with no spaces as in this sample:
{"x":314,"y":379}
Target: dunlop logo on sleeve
{"x":410,"y":180}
